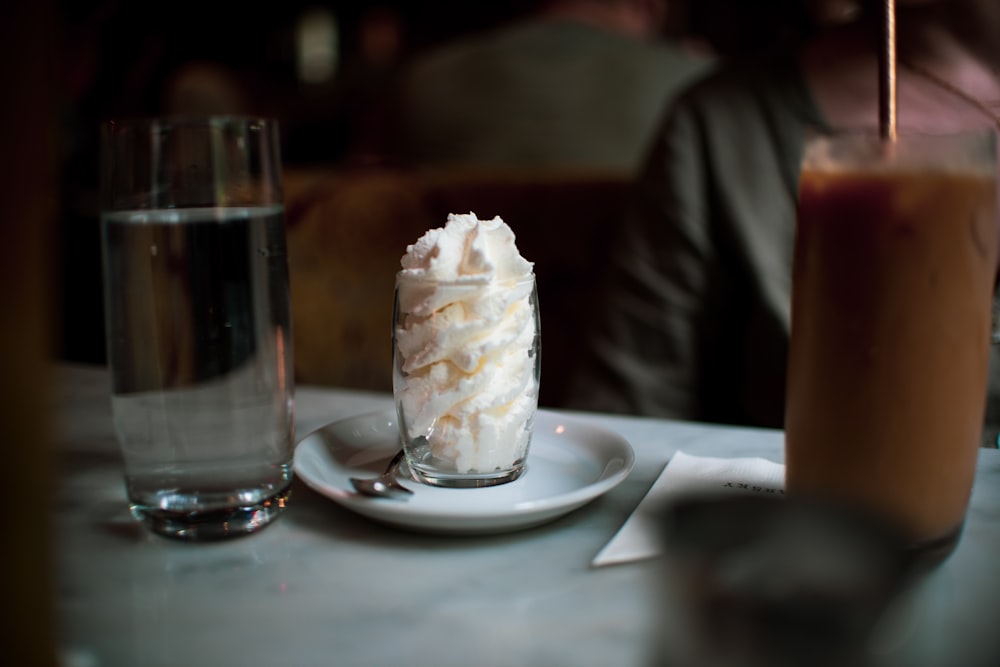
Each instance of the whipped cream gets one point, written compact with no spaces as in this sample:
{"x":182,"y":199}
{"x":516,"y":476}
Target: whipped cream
{"x":465,"y":376}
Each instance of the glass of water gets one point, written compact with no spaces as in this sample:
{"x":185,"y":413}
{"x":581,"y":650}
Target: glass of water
{"x":198,"y":321}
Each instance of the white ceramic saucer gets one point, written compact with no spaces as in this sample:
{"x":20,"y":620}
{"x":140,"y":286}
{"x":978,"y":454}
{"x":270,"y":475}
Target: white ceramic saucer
{"x":569,"y":464}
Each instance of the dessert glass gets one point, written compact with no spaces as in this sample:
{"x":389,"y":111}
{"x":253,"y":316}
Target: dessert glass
{"x":466,"y":370}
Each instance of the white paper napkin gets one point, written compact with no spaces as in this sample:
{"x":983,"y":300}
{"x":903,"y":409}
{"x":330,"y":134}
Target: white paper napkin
{"x":684,"y":473}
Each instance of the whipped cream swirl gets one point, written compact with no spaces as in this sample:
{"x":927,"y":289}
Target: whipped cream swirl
{"x":466,"y":367}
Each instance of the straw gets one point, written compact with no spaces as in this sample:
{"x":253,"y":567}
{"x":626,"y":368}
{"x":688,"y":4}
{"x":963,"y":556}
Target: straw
{"x":887,"y":73}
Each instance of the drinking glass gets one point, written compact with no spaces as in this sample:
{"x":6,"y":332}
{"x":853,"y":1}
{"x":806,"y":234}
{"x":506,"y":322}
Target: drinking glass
{"x":894,"y":269}
{"x":198,"y":321}
{"x":466,"y":369}
{"x":769,"y":581}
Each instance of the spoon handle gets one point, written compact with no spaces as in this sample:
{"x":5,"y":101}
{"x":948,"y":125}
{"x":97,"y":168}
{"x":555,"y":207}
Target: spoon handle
{"x":384,"y":486}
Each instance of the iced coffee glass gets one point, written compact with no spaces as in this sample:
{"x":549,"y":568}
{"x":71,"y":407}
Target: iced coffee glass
{"x":466,"y":367}
{"x":895,"y":261}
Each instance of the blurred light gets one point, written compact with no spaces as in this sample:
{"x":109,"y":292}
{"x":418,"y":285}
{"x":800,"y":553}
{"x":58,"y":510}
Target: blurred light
{"x":317,"y":42}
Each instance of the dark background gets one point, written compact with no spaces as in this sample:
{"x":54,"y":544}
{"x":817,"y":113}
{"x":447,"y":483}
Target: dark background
{"x":114,"y":58}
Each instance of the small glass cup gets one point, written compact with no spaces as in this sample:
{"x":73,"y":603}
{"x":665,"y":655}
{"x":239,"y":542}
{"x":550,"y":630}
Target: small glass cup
{"x":466,"y":369}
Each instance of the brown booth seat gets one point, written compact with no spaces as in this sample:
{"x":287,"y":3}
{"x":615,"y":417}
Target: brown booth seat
{"x":347,"y":230}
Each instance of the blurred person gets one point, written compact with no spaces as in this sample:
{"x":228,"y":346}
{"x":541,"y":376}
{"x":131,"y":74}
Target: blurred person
{"x":204,"y":88}
{"x":575,"y":83}
{"x":696,"y":316}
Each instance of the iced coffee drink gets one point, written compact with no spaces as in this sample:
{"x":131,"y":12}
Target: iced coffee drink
{"x":895,"y":260}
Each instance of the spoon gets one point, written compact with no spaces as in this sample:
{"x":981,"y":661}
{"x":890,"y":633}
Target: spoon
{"x":385,"y":485}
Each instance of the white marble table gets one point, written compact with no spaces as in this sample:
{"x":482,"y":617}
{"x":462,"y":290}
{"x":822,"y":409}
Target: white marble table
{"x":323,"y":586}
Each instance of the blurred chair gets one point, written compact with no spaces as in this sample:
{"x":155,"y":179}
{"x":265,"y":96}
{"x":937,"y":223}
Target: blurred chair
{"x":346,"y":233}
{"x":348,"y":229}
{"x":578,"y":83}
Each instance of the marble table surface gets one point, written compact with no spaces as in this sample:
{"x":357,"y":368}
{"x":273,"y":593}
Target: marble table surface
{"x":324,"y":586}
